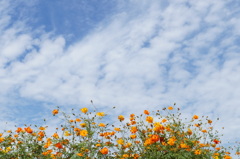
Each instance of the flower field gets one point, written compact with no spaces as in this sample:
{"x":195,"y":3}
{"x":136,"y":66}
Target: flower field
{"x":86,"y":134}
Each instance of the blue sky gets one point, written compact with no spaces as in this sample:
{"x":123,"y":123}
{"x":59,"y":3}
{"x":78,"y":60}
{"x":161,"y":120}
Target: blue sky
{"x":134,"y":55}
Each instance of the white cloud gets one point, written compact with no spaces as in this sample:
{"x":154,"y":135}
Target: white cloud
{"x":150,"y":56}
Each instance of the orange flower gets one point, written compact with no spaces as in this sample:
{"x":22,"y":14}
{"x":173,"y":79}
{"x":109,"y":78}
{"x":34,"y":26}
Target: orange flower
{"x":149,"y":119}
{"x":134,"y":129}
{"x":195,"y":117}
{"x":120,"y":141}
{"x":77,"y":129}
{"x":209,"y":121}
{"x":125,"y":156}
{"x":79,"y":154}
{"x":40,"y":133}
{"x":55,"y":111}
{"x":104,"y":151}
{"x":59,"y":145}
{"x":189,"y":131}
{"x":133,"y":136}
{"x":197,"y":152}
{"x":146,"y":112}
{"x":164,"y":120}
{"x":19,"y":130}
{"x":83,"y":125}
{"x":227,"y":157}
{"x":132,"y":115}
{"x":148,"y":142}
{"x":216,"y":141}
{"x":121,"y":117}
{"x":117,"y":129}
{"x":84,"y":110}
{"x":197,"y":125}
{"x":171,"y":141}
{"x":67,"y":133}
{"x":170,"y":108}
{"x":78,"y":120}
{"x":155,"y":138}
{"x":101,"y":125}
{"x":184,"y":145}
{"x":55,"y":135}
{"x":42,"y":128}
{"x":2,"y":139}
{"x":71,"y":121}
{"x":28,"y":130}
{"x":133,"y":122}
{"x":204,"y":131}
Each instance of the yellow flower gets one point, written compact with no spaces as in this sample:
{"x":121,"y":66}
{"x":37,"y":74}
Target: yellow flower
{"x":134,"y":129}
{"x":98,"y":145}
{"x":100,"y":114}
{"x":84,"y":110}
{"x":83,"y":133}
{"x":1,"y":139}
{"x":149,"y":119}
{"x":121,"y":117}
{"x":148,"y":142}
{"x":133,"y":136}
{"x":197,"y":152}
{"x":171,"y":141}
{"x":120,"y":141}
{"x":125,"y":155}
{"x":83,"y":125}
{"x":66,"y":133}
{"x":184,"y":146}
{"x":42,"y":128}
{"x":117,"y":129}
